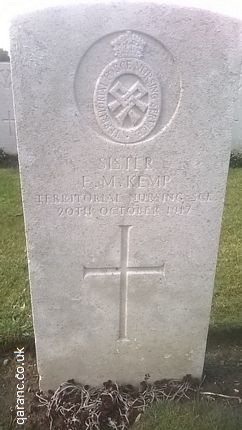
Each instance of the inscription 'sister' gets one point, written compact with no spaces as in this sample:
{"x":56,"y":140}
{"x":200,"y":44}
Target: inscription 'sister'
{"x":126,"y":163}
{"x":123,"y":271}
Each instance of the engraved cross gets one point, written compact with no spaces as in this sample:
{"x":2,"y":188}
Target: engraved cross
{"x":8,"y":120}
{"x":124,"y":271}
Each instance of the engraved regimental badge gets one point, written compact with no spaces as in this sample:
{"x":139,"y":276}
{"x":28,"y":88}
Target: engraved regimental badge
{"x":127,"y":95}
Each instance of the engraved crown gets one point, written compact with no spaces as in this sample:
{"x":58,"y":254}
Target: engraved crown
{"x":129,"y":45}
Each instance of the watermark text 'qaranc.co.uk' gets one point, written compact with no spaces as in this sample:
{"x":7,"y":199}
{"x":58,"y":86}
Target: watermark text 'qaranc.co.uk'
{"x":19,"y":355}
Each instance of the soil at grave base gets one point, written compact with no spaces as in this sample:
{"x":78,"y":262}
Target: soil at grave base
{"x":223,"y":377}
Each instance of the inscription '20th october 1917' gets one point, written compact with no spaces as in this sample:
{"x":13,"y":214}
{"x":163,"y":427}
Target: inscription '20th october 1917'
{"x":126,"y":186}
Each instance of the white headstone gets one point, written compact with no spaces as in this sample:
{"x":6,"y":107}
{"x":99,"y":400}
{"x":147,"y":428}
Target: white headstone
{"x":7,"y":122}
{"x":124,"y":118}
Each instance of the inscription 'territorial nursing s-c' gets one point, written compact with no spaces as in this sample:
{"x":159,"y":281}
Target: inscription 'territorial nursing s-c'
{"x":127,"y":96}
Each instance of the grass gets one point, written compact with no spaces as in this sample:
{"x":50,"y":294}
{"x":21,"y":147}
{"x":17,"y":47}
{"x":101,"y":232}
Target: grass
{"x":191,"y":416}
{"x":227,"y":302}
{"x":15,"y":309}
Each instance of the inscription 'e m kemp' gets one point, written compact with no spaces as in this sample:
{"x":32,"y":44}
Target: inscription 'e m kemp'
{"x":106,"y":194}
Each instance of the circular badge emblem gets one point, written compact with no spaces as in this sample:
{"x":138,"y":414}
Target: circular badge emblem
{"x":127,"y":100}
{"x":127,"y":87}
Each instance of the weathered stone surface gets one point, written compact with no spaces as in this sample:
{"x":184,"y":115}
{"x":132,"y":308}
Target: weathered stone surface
{"x":7,"y":122}
{"x":237,"y":128}
{"x":124,"y":118}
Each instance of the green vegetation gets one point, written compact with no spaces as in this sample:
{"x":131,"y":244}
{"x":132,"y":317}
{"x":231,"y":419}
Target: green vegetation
{"x":191,"y":416}
{"x":236,"y":159}
{"x":227,"y":303}
{"x":4,"y":55}
{"x":7,"y":160}
{"x":15,"y":311}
